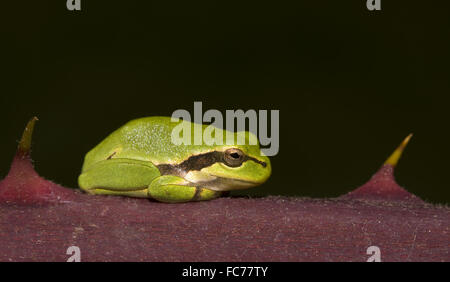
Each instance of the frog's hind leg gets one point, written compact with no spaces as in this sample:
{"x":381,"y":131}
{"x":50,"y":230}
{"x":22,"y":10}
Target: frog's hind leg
{"x":122,"y":177}
{"x":174,"y":189}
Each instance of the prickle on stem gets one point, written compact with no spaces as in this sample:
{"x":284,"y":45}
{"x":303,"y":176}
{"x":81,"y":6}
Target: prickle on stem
{"x":395,"y":156}
{"x":25,"y":142}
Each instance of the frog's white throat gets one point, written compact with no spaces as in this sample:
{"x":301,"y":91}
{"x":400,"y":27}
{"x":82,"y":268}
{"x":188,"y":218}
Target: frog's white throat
{"x":216,"y":183}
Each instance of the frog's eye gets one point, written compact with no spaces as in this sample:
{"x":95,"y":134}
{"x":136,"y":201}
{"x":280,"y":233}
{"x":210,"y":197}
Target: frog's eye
{"x":233,"y":157}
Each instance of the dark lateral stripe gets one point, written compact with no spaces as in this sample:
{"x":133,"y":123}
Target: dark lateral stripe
{"x":198,"y":162}
{"x":196,"y":196}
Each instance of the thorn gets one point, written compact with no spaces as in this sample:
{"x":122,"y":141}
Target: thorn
{"x":393,"y":159}
{"x":25,"y":141}
{"x":23,"y":185}
{"x":382,"y":184}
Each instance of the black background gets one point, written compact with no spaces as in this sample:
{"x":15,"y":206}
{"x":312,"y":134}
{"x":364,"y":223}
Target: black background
{"x":350,"y":83}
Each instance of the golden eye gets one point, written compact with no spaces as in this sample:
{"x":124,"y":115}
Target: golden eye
{"x":233,"y":157}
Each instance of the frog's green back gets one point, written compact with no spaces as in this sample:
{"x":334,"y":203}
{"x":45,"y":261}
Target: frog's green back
{"x":149,"y":139}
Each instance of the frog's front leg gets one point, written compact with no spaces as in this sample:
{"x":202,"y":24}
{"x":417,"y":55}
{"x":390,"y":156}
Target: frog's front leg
{"x":123,"y":177}
{"x":174,"y":189}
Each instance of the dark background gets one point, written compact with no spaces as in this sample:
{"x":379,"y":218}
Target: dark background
{"x":350,"y":83}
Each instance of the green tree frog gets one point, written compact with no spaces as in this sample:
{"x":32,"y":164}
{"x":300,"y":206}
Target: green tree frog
{"x":140,"y":160}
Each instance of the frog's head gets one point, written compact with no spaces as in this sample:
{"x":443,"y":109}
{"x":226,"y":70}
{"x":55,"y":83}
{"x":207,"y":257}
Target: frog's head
{"x":231,"y":167}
